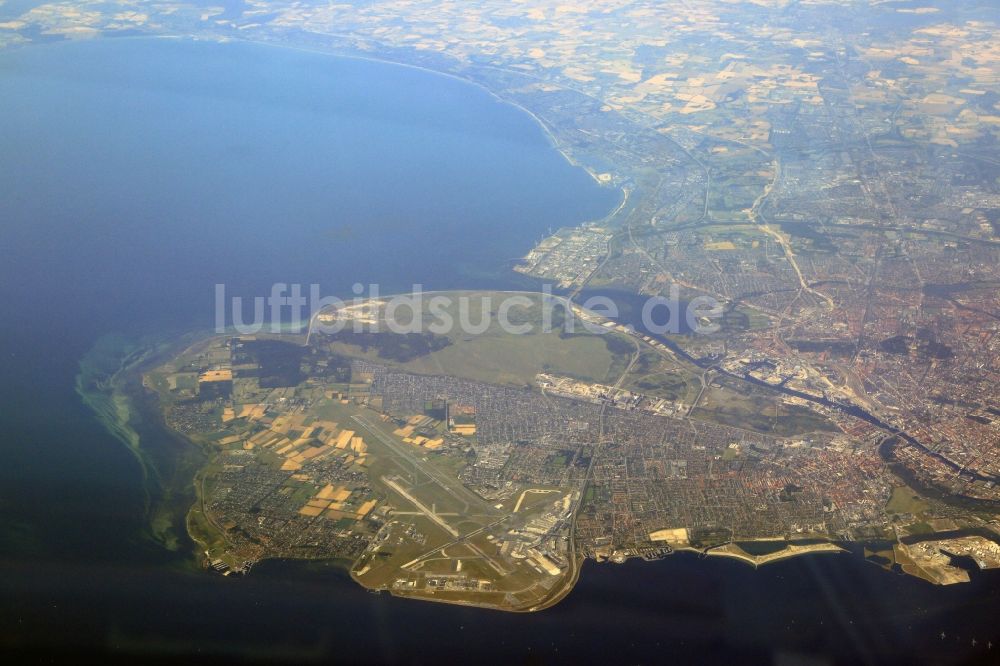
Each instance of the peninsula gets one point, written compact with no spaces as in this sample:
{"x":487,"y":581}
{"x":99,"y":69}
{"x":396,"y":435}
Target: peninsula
{"x":483,"y":468}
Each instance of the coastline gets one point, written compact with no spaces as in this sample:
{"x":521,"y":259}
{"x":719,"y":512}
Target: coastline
{"x":791,"y":550}
{"x":553,"y":141}
{"x":116,"y":414}
{"x":121,"y":403}
{"x":225,"y":39}
{"x":560,"y":591}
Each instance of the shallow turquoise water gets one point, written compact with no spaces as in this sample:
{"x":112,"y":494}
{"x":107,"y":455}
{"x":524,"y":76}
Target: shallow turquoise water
{"x":138,"y":173}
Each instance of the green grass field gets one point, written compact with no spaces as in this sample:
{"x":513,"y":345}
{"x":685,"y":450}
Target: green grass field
{"x":754,"y":409}
{"x":904,"y":500}
{"x":501,"y":357}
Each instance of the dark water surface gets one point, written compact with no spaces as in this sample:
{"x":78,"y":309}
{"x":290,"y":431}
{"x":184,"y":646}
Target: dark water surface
{"x":684,"y":609}
{"x":137,"y":174}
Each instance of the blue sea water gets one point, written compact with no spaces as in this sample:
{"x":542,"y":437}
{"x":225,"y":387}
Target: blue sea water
{"x":137,"y":174}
